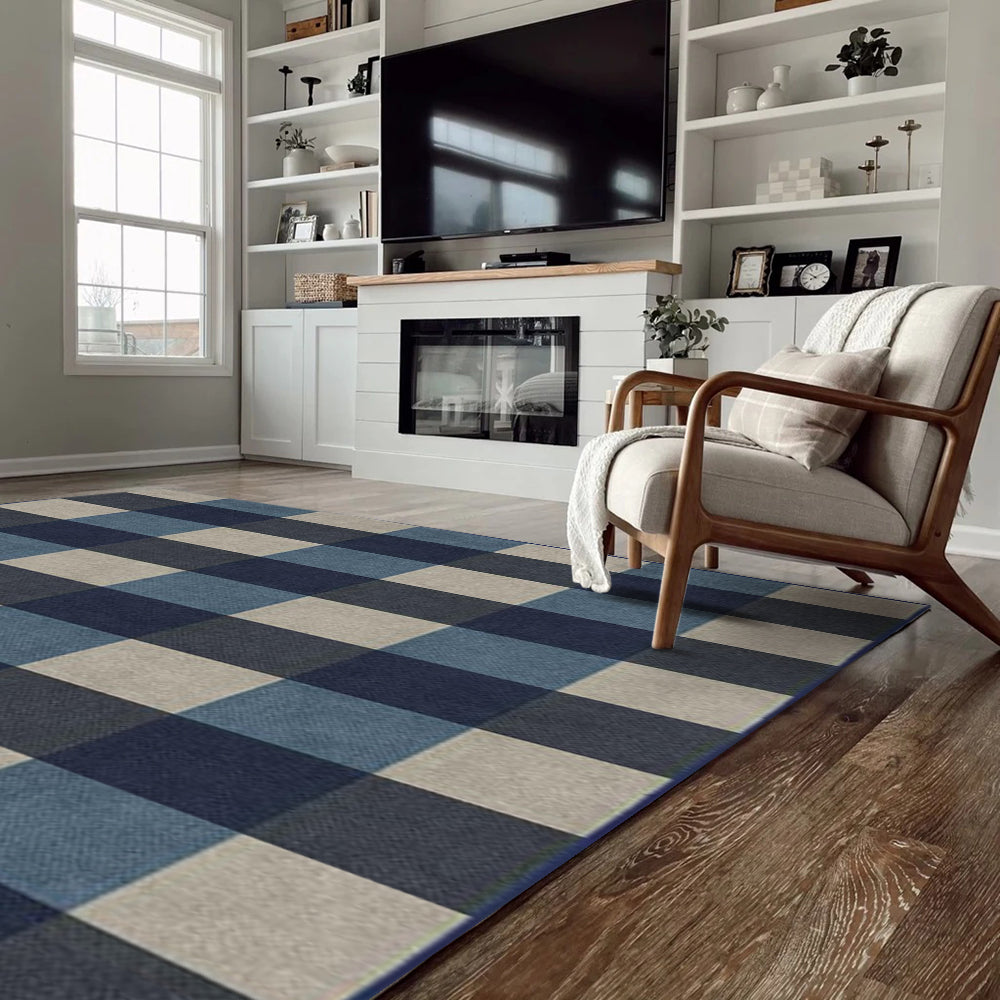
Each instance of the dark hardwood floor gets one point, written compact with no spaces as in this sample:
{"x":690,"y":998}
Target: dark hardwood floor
{"x":850,"y":848}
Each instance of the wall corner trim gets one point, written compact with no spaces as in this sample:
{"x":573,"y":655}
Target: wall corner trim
{"x":50,"y":465}
{"x":968,"y":540}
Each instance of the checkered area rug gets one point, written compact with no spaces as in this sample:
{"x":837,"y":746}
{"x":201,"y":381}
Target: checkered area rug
{"x":250,"y":751}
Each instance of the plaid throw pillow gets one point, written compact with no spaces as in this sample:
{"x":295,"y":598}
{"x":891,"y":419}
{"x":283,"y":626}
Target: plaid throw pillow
{"x":814,"y":434}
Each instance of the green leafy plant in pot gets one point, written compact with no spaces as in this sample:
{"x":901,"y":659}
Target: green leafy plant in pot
{"x":299,"y":157}
{"x":865,"y":57}
{"x":680,"y":335}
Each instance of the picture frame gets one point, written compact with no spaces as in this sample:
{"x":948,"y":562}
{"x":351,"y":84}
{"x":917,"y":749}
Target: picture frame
{"x":750,"y":273}
{"x":290,"y":210}
{"x":787,"y":267}
{"x":373,"y":75}
{"x":871,"y":263}
{"x":303,"y":230}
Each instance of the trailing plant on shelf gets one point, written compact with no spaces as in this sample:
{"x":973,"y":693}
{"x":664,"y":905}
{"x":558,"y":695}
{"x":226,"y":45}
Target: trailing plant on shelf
{"x":868,"y":55}
{"x":679,"y":331}
{"x":291,"y":138}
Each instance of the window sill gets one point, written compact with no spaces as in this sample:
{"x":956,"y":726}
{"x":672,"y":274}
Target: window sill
{"x":188,"y":369}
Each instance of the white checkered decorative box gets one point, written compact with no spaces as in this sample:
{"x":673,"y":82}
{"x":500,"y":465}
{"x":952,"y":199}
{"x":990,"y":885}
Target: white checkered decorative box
{"x":801,"y":190}
{"x":806,"y":168}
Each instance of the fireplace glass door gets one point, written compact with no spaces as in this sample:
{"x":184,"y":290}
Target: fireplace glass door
{"x":509,"y":379}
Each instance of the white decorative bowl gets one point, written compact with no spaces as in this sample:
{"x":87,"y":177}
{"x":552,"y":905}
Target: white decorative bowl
{"x":363,"y":156}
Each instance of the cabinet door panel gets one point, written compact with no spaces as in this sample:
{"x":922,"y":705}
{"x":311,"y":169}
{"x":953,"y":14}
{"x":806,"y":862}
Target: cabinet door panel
{"x":329,"y":385}
{"x":272,"y":383}
{"x":757,"y":330}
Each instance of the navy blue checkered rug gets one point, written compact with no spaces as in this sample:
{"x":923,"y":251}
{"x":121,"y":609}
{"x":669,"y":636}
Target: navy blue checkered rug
{"x":250,"y":751}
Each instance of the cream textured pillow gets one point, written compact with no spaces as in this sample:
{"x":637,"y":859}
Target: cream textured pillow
{"x":814,"y":434}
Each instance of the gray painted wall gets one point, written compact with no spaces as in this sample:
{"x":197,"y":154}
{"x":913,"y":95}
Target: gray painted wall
{"x":42,"y":411}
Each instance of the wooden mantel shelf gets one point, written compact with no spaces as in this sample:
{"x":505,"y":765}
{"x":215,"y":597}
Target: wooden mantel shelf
{"x":493,"y":274}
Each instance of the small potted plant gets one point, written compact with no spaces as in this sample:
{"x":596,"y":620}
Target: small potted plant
{"x":680,"y":335}
{"x":356,"y":84}
{"x":299,"y":157}
{"x":865,"y":57}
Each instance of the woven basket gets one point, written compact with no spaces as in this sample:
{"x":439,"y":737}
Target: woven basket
{"x":324,"y":288}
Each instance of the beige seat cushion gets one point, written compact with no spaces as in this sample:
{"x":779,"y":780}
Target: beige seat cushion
{"x":814,"y":434}
{"x":752,"y":486}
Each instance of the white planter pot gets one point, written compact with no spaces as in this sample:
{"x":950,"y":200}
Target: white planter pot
{"x":298,"y":162}
{"x":689,"y":367}
{"x":742,"y":99}
{"x":858,"y":85}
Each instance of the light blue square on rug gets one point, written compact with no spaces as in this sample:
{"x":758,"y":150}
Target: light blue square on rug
{"x":208,"y":593}
{"x":20,"y":546}
{"x":141,"y":523}
{"x":252,"y":507}
{"x":25,"y":637}
{"x":361,"y":734}
{"x":65,"y":839}
{"x":501,"y":656}
{"x":615,"y":610}
{"x":356,"y":561}
{"x":457,"y":538}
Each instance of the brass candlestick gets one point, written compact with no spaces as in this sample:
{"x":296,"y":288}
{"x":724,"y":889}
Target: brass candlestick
{"x":877,"y":143}
{"x":869,"y":167}
{"x":909,"y":127}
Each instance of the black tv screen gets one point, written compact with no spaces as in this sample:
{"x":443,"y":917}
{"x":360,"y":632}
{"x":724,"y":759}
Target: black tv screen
{"x":559,"y":124}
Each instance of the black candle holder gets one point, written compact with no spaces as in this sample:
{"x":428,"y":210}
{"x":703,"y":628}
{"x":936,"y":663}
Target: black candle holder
{"x":285,"y":71}
{"x":310,"y":82}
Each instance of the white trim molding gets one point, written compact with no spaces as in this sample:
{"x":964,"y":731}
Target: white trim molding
{"x":968,"y":540}
{"x":51,"y":465}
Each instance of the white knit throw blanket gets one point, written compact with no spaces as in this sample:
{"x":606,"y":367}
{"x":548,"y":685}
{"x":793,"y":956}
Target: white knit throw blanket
{"x":855,"y":323}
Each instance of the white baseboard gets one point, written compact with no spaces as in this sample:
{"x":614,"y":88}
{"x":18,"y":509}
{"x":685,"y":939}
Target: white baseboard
{"x":50,"y":465}
{"x":967,"y":540}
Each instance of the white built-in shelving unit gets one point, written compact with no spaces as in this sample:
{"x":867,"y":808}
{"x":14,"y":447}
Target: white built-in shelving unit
{"x":334,"y":118}
{"x":721,"y":158}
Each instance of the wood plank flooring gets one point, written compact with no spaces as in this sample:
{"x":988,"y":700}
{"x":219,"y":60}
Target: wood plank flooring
{"x":849,"y":849}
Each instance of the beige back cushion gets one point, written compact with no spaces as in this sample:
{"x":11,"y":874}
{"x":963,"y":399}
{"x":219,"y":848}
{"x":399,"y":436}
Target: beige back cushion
{"x":930,"y":359}
{"x":814,"y":434}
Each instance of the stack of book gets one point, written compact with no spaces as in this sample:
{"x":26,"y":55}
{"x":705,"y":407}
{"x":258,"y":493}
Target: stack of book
{"x":805,"y":179}
{"x":369,"y":212}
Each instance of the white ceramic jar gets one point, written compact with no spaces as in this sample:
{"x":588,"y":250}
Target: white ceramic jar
{"x":331,"y":232}
{"x":858,"y":85}
{"x":298,"y":162}
{"x":352,"y":229}
{"x":743,"y":98}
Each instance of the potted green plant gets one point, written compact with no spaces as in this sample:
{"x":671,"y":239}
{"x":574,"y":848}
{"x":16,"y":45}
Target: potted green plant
{"x":680,"y":335}
{"x":299,"y":157}
{"x":865,"y":57}
{"x":356,"y":84}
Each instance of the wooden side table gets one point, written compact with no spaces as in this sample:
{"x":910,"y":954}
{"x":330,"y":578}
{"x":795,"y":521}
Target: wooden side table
{"x":638,"y":399}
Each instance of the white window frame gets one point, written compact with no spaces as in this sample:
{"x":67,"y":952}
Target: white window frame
{"x":220,"y":230}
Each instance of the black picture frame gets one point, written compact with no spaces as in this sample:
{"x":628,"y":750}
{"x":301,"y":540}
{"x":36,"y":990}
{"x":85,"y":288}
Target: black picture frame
{"x":871,"y":273}
{"x":795,"y":261}
{"x":744,"y":260}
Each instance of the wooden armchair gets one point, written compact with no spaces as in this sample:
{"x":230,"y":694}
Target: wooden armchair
{"x":892,"y":513}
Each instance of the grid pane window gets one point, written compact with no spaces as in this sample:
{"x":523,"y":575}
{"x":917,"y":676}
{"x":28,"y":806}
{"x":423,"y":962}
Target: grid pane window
{"x":143,"y":183}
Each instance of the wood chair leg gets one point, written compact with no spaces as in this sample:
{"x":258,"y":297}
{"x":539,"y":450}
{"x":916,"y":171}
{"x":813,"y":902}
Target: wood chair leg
{"x":711,"y":557}
{"x":956,"y":595}
{"x":608,"y":541}
{"x":634,"y":553}
{"x":676,"y":567}
{"x":857,"y":576}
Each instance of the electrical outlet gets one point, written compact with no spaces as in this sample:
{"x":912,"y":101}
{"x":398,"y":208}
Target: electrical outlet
{"x":928,"y":175}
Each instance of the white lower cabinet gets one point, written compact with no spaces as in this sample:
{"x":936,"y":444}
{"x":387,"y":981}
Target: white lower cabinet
{"x":758,"y":328}
{"x":299,"y":381}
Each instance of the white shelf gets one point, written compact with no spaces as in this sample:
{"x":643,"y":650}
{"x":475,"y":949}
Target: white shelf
{"x":320,"y":246}
{"x":807,"y":22}
{"x":351,"y":110}
{"x":889,"y":201}
{"x":332,"y":178}
{"x":362,"y":39}
{"x":818,"y":114}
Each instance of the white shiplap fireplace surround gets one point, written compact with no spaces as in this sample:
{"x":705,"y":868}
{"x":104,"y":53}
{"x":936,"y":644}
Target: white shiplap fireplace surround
{"x":609,"y":300}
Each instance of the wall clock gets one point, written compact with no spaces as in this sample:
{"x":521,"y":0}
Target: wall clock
{"x":808,"y":272}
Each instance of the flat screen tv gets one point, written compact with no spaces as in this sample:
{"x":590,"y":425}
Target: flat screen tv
{"x":555,"y":125}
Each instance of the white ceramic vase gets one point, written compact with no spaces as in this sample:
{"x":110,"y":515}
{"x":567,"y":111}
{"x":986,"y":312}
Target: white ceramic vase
{"x":298,"y":162}
{"x":773,"y":97}
{"x":691,"y":367}
{"x":858,"y":85}
{"x":743,"y":98}
{"x":331,"y":232}
{"x":352,"y":229}
{"x":781,"y":75}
